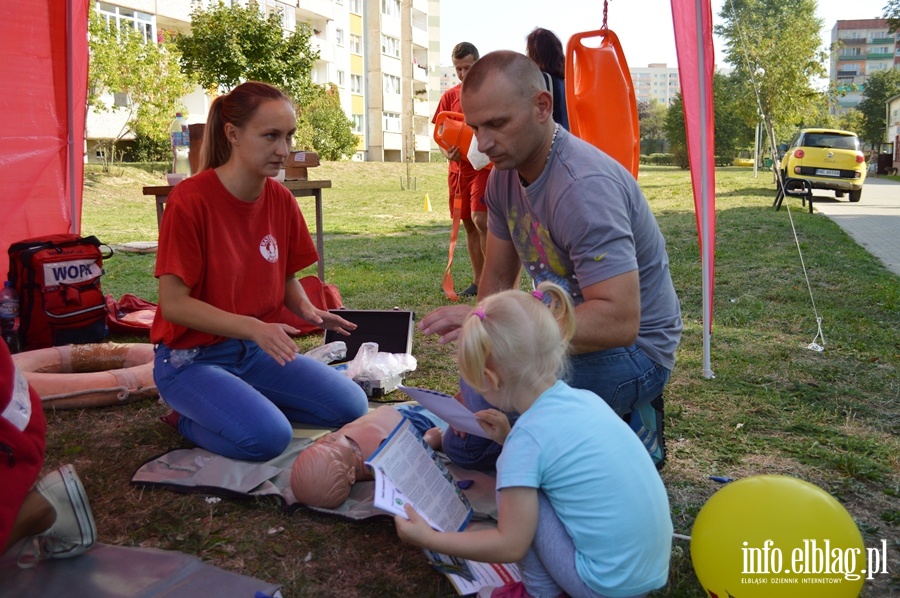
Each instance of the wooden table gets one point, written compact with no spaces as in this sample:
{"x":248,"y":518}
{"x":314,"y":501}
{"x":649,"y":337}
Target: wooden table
{"x":297,"y":189}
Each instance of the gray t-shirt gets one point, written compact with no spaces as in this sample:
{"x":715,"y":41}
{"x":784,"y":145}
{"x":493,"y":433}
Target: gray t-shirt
{"x":584,"y":220}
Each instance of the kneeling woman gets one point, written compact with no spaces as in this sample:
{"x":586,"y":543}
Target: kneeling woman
{"x":231,"y":241}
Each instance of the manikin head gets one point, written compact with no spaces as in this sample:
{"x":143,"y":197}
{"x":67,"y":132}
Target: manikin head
{"x":323,"y":473}
{"x":513,"y":341}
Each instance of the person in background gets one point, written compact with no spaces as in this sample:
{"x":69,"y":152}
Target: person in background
{"x":54,"y":514}
{"x":231,"y":242}
{"x":580,"y":504}
{"x":545,"y":49}
{"x":570,"y":214}
{"x":462,"y":179}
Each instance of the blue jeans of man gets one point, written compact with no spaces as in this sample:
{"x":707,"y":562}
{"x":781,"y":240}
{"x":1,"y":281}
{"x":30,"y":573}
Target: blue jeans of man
{"x":236,"y":401}
{"x":624,"y":377}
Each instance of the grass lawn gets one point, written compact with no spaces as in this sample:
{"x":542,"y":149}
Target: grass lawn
{"x":774,"y":407}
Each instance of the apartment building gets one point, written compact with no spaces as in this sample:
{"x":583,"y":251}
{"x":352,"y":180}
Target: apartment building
{"x":656,"y":81}
{"x":381,"y":54}
{"x":865,"y":48}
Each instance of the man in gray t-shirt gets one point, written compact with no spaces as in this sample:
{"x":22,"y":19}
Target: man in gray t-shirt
{"x":567,"y":212}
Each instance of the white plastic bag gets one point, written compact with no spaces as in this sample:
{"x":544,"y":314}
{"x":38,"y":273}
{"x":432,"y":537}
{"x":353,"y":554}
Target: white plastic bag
{"x":328,"y":353}
{"x":370,"y":365}
{"x":476,"y":158}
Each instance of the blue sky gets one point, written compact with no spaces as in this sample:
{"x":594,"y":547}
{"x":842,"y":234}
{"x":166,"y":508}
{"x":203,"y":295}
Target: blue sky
{"x":644,"y":27}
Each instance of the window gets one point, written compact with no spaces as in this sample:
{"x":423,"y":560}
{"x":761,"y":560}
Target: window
{"x":355,"y":83}
{"x":392,"y":84}
{"x":339,"y":37}
{"x":355,"y":43}
{"x":340,"y":78}
{"x":390,"y":8}
{"x":357,"y":123}
{"x":121,"y":99}
{"x":119,"y":17}
{"x":356,"y":6}
{"x":390,"y":46}
{"x":391,"y":122}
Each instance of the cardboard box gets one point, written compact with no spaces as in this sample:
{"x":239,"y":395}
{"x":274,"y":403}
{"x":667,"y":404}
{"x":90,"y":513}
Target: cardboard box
{"x":297,"y":163}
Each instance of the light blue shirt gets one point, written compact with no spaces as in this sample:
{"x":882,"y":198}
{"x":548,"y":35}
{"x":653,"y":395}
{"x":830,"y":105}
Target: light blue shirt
{"x":602,"y":484}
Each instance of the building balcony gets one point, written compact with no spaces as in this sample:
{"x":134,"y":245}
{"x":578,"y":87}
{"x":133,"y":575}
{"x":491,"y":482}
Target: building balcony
{"x":421,"y":108}
{"x":312,"y":9}
{"x":847,"y":74}
{"x":326,"y":49}
{"x":855,"y":41}
{"x":880,"y":56}
{"x":423,"y":143}
{"x":883,"y":40}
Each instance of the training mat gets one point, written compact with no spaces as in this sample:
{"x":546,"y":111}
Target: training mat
{"x":107,"y":571}
{"x":199,"y":471}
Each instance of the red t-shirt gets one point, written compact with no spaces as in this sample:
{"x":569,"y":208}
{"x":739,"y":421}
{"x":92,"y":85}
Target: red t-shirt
{"x":232,"y":254}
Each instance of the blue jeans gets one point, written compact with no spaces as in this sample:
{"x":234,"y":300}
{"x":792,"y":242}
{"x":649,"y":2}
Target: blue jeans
{"x":236,"y":401}
{"x":624,"y":377}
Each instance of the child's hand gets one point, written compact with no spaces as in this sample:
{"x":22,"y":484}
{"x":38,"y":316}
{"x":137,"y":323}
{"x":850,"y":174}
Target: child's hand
{"x":415,"y":530}
{"x":494,"y":423}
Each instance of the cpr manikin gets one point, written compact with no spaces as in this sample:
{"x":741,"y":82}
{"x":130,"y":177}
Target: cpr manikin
{"x":323,"y":473}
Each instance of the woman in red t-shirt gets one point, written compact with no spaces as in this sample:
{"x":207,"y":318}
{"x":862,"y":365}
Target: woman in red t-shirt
{"x":231,"y":242}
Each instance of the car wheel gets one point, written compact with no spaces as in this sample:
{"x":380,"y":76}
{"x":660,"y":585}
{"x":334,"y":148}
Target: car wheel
{"x":855,"y":195}
{"x":839,"y":194}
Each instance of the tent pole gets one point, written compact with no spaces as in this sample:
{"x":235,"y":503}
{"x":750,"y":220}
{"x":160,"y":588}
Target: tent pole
{"x":75,"y":225}
{"x":707,"y":242}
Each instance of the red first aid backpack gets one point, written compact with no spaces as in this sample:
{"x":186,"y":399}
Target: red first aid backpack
{"x":58,"y":281}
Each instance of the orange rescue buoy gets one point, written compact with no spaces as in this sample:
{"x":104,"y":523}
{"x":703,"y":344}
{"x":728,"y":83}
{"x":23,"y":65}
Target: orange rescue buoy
{"x":96,"y":375}
{"x":600,"y":97}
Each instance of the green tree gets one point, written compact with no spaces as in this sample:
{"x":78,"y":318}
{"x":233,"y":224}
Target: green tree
{"x":675,"y":131}
{"x":652,"y":117}
{"x":851,"y":120}
{"x":879,"y":87}
{"x":892,"y":14}
{"x":333,"y":137}
{"x":229,"y":45}
{"x":774,"y":47}
{"x":733,"y":131}
{"x":123,"y":61}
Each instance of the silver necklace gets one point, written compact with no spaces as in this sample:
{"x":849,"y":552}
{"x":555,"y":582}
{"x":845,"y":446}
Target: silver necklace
{"x":552,"y":141}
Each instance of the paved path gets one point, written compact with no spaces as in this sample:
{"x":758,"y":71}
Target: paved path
{"x":874,"y":222}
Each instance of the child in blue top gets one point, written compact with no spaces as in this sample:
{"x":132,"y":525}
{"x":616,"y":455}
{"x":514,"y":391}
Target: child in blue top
{"x":581,"y":506}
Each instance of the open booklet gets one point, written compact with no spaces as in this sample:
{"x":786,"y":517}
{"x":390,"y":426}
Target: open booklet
{"x":467,"y":577}
{"x":407,"y":471}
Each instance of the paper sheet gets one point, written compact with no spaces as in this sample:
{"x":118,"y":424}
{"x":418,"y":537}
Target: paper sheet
{"x":406,"y":471}
{"x":447,"y":408}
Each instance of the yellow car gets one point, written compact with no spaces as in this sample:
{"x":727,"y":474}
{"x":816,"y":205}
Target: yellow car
{"x":828,"y":159}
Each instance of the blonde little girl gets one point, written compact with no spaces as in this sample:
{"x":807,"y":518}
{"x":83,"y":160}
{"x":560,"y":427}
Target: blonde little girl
{"x":581,"y":506}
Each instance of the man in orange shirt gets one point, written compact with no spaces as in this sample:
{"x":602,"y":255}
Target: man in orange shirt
{"x":462,"y":178}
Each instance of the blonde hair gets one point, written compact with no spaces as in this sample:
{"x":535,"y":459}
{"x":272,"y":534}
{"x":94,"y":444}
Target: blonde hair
{"x":524,"y":337}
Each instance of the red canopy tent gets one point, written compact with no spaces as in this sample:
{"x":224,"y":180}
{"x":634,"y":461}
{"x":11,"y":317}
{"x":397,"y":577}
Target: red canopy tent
{"x":43,"y":65}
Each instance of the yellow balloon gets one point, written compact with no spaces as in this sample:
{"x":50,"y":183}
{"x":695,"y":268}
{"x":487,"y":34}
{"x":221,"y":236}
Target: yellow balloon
{"x":773,"y":536}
